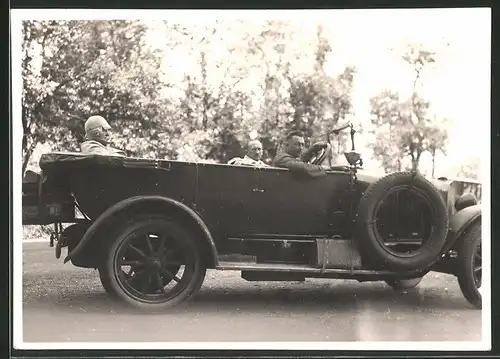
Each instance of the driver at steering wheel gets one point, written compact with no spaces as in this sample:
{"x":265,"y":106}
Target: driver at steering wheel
{"x":296,"y":159}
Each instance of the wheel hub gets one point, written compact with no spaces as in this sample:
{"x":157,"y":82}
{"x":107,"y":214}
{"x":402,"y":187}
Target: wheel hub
{"x":154,"y":263}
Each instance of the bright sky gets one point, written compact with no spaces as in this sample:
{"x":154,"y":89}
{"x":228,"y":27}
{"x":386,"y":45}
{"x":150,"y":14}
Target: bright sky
{"x":459,"y":84}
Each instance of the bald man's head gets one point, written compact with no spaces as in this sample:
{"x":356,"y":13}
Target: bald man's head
{"x":255,"y":150}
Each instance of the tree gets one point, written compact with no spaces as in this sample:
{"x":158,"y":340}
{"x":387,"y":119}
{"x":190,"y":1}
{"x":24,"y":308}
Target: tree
{"x":407,"y":126}
{"x":387,"y":112}
{"x":320,"y":101}
{"x":437,"y":140}
{"x":424,"y":135}
{"x":268,"y":50}
{"x":213,"y":111}
{"x":315,"y":100}
{"x":470,"y":169}
{"x":72,"y":69}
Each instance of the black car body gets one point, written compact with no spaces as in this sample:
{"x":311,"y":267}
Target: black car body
{"x":269,"y":223}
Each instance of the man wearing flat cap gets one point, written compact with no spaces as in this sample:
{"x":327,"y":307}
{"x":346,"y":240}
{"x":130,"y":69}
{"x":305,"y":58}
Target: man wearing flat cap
{"x":97,"y":138}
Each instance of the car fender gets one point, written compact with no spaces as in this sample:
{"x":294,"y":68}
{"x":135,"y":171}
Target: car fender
{"x":129,"y":202}
{"x":459,"y":223}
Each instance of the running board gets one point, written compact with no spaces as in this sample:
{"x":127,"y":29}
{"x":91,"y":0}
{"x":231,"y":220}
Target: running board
{"x":298,"y":268}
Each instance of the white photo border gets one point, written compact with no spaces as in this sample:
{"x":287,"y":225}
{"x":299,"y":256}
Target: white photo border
{"x":19,"y":15}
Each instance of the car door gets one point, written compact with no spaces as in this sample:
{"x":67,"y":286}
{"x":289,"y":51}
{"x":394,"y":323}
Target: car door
{"x":223,"y":195}
{"x":284,"y":203}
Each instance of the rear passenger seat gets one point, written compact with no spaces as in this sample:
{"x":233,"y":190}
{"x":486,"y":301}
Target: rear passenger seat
{"x":31,"y":181}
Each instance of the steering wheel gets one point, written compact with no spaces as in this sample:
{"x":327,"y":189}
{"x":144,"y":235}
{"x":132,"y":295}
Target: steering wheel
{"x":321,"y":154}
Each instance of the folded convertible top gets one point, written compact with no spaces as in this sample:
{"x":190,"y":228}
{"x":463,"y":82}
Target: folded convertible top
{"x":55,"y":161}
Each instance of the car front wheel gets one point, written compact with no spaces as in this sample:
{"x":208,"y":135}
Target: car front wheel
{"x":470,"y":267}
{"x":154,"y":263}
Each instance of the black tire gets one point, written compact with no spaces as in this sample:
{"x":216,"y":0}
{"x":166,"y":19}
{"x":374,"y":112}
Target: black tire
{"x":149,"y":268}
{"x":372,"y":242}
{"x":403,"y":284}
{"x":469,"y":265}
{"x":105,"y":282}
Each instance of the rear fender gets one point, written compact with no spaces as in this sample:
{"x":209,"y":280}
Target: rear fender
{"x":162,"y":205}
{"x":460,"y":222}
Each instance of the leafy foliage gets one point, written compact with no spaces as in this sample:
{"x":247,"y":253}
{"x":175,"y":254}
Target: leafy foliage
{"x":470,"y":169}
{"x":312,"y":102}
{"x":406,"y":127}
{"x":72,"y":69}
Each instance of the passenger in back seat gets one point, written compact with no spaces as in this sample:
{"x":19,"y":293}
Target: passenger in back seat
{"x":252,"y":158}
{"x":97,"y":137}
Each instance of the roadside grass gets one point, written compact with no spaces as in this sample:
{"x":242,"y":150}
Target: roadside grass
{"x":37,"y":232}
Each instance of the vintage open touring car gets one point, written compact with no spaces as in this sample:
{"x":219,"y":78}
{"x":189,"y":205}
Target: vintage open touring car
{"x":153,"y":227}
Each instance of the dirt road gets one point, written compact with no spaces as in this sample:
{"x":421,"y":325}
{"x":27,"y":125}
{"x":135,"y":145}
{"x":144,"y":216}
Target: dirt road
{"x":62,"y":303}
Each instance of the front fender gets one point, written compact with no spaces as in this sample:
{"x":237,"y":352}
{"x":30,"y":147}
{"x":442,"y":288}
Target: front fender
{"x":460,"y":221}
{"x":128,"y":203}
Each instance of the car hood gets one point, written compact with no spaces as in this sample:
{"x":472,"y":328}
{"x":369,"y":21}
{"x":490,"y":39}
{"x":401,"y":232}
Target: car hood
{"x":450,"y":189}
{"x":365,"y":178}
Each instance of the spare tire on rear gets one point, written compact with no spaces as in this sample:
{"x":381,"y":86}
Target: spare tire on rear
{"x":402,"y":204}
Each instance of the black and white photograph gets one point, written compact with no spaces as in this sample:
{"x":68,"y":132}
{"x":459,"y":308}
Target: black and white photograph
{"x":251,"y":179}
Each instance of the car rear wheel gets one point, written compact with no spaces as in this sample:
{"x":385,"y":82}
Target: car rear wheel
{"x":105,"y":282}
{"x":154,"y":263}
{"x":402,"y":223}
{"x":470,"y":269}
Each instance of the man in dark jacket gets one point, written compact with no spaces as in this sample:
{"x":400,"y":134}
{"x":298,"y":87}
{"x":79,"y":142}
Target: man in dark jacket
{"x":295,"y":158}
